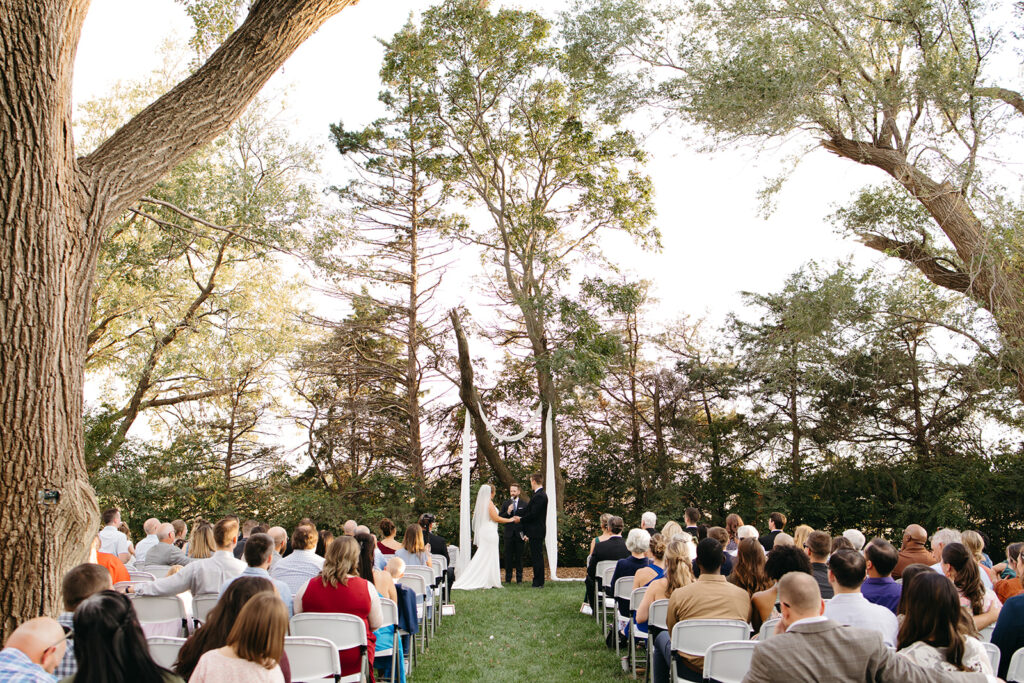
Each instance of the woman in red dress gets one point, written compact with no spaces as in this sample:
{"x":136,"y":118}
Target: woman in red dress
{"x":339,"y":588}
{"x":388,"y":545}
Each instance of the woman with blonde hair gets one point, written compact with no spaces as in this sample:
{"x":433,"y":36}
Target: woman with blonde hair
{"x":414,"y":550}
{"x":201,"y":544}
{"x":671,"y":530}
{"x":605,"y":533}
{"x":800,"y":535}
{"x":339,"y":588}
{"x":975,"y":544}
{"x":254,"y":647}
{"x":678,"y":573}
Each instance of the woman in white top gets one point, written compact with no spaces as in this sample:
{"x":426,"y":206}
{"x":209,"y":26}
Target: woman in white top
{"x":962,"y":570}
{"x":929,"y":636}
{"x":254,"y":647}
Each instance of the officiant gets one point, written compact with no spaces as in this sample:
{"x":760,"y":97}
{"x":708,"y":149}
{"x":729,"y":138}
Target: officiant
{"x":513,"y":535}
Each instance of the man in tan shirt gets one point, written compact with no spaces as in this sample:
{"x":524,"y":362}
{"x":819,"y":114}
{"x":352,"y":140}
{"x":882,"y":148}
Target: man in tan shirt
{"x":913,"y":550}
{"x":710,"y":597}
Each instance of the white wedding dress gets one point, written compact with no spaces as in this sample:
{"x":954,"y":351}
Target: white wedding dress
{"x":484,"y":569}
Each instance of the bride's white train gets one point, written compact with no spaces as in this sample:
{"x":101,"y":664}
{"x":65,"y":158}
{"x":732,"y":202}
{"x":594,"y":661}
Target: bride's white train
{"x":484,"y":569}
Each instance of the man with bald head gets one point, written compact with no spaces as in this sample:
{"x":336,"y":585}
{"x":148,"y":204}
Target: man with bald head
{"x":280,"y":537}
{"x":350,"y":528}
{"x":142,"y":547}
{"x":913,"y":551}
{"x":32,"y":652}
{"x":166,"y":552}
{"x":809,"y":647}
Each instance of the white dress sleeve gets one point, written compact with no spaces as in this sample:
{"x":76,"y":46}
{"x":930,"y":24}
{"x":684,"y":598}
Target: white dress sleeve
{"x":376,"y":616}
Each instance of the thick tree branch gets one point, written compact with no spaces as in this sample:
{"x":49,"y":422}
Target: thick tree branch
{"x":1011,"y":97}
{"x":202,"y":106}
{"x":918,"y":256}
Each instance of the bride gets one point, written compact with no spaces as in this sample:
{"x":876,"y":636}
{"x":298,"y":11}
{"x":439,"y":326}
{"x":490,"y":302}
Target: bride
{"x":484,"y":570}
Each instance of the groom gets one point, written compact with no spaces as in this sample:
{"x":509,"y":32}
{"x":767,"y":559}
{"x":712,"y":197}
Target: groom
{"x":534,"y":520}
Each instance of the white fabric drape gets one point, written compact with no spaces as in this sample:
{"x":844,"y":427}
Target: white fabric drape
{"x":511,"y":438}
{"x":551,"y":539}
{"x":464,"y":522}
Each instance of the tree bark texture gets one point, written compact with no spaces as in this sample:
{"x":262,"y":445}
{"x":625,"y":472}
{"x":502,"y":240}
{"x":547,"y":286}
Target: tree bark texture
{"x":471,"y":401}
{"x":55,"y":208}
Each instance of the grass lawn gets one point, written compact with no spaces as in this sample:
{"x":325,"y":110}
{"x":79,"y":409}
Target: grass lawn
{"x":518,"y":633}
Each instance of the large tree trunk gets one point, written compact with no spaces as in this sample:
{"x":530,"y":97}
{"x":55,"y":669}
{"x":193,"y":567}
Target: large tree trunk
{"x":55,"y":210}
{"x":412,"y":379}
{"x":471,"y":401}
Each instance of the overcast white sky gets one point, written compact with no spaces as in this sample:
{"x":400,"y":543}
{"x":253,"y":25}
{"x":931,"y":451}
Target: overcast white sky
{"x":715,"y":245}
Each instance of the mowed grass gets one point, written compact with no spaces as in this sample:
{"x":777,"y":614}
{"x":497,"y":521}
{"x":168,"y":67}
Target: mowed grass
{"x":519,"y":633}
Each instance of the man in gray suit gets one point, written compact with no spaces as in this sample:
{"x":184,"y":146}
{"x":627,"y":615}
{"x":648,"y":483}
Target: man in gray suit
{"x":165,"y":553}
{"x":809,"y":647}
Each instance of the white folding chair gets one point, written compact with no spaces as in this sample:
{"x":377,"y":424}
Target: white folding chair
{"x":768,"y":628}
{"x":346,"y":631}
{"x":427,"y":574}
{"x":599,"y":588}
{"x":441,"y":570}
{"x":694,"y":636}
{"x":120,"y":586}
{"x":728,"y":661}
{"x":635,"y":598}
{"x":159,"y":609}
{"x":390,"y":613}
{"x":418,"y":586}
{"x":657,"y":618}
{"x":986,"y":633}
{"x":606,"y":596}
{"x":141,"y":576}
{"x":158,"y":571}
{"x":312,"y":659}
{"x":994,"y":655}
{"x":1015,"y":672}
{"x":201,"y":606}
{"x":453,"y":554}
{"x":164,"y":649}
{"x":622,"y":590}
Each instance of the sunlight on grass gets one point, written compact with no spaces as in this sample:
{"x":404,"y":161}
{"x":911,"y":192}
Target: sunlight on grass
{"x":519,"y":634}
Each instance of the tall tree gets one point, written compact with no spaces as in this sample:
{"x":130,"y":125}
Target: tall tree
{"x":56,"y":208}
{"x":524,"y":148}
{"x":915,"y":90}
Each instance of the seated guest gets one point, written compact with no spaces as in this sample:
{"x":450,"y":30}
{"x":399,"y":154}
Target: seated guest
{"x":110,"y":646}
{"x":149,"y":526}
{"x":436,"y":545}
{"x":118,"y":572}
{"x":846,"y":572}
{"x":79,"y":583}
{"x":123,"y":528}
{"x":649,"y":522}
{"x":810,"y":648}
{"x":112,"y":540}
{"x":800,"y":534}
{"x":349,"y":528}
{"x":913,"y":551}
{"x":32,"y":652}
{"x":214,"y":632}
{"x":691,"y":516}
{"x":880,"y":588}
{"x":388,"y":545}
{"x":818,"y":547}
{"x":180,"y":533}
{"x":1009,"y":586}
{"x":1008,"y":634}
{"x":201,"y":545}
{"x":722,"y":536}
{"x":962,"y":570}
{"x":929,"y":635}
{"x":776,"y":522}
{"x":166,"y":552}
{"x":280,"y":538}
{"x":781,"y":561}
{"x":612,"y":549}
{"x":655,"y":568}
{"x":414,"y":548}
{"x":709,"y":597}
{"x":909,"y":572}
{"x":324,"y":540}
{"x":749,"y":573}
{"x":671,"y":529}
{"x":247,"y":530}
{"x":841,"y":543}
{"x":258,"y":552}
{"x":1003,"y":570}
{"x":940,"y":540}
{"x":732,"y":524}
{"x":303,"y":564}
{"x":396,"y":568}
{"x":201,"y":576}
{"x":856,"y":538}
{"x":748,"y":531}
{"x":340,"y":589}
{"x":975,"y":545}
{"x":254,"y":647}
{"x":385,"y":585}
{"x":638,"y":542}
{"x":784,"y":539}
{"x":677,"y":575}
{"x":606,"y":534}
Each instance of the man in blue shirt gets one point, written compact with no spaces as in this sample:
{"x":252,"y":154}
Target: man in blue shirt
{"x":33,"y":651}
{"x":258,"y":551}
{"x":879,"y":587}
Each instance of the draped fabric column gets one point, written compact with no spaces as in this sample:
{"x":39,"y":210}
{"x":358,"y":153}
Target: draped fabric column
{"x":551,"y":539}
{"x":465,"y":523}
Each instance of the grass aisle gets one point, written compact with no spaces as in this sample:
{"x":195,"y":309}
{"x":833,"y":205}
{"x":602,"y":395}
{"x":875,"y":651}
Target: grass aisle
{"x":518,"y":633}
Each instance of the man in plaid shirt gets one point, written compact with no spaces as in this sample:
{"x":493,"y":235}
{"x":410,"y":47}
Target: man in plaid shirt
{"x":78,"y":584}
{"x":32,"y":652}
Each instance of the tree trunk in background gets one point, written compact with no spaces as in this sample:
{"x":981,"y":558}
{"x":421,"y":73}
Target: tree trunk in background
{"x":471,"y":400}
{"x":412,"y":378}
{"x":55,"y":209}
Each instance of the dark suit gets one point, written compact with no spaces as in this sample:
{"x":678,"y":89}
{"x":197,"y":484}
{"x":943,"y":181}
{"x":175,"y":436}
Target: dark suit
{"x":612,"y":549}
{"x":439,"y":546}
{"x":827,"y":651}
{"x":768,"y":540}
{"x":534,"y":519}
{"x":513,"y":539}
